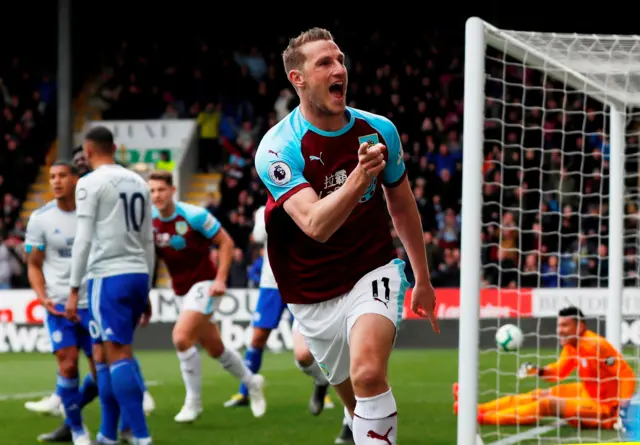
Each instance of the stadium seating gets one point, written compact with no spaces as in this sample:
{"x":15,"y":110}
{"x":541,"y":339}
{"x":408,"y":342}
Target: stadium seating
{"x":422,"y":95}
{"x":419,"y":87}
{"x":39,"y":192}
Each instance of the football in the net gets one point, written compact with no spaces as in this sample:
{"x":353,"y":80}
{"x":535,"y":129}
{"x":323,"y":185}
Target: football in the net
{"x":509,"y":338}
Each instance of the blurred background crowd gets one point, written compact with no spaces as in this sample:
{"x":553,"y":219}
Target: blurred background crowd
{"x":545,"y":212}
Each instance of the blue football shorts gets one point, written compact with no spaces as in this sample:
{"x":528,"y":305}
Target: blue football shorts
{"x":64,"y":333}
{"x":117,"y":303}
{"x":269,"y":309}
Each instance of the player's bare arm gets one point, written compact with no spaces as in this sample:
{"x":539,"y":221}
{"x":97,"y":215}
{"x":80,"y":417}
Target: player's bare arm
{"x":37,"y":282}
{"x":406,"y":220}
{"x":320,"y":218}
{"x":225,"y":249}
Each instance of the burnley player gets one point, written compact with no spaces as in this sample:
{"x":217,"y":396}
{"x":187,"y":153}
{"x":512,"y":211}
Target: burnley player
{"x":184,"y":235}
{"x":328,"y":169}
{"x":50,"y":234}
{"x":114,"y":248}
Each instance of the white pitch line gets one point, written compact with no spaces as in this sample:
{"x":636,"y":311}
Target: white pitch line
{"x":33,"y":395}
{"x":529,"y":434}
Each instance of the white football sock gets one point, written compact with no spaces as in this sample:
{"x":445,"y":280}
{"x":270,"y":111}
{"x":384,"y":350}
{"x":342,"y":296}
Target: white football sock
{"x":376,"y":420}
{"x":347,"y":420}
{"x":314,"y":372}
{"x":233,"y":363}
{"x":192,"y":375}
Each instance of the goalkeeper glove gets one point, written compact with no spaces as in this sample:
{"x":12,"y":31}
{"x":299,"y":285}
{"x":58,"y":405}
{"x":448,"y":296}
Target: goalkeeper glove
{"x":528,"y":369}
{"x":622,"y":417}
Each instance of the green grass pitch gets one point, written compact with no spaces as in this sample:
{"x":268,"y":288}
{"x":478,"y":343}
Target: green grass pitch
{"x":421,"y":381}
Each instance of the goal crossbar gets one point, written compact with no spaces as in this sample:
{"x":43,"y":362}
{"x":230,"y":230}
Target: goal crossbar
{"x":596,"y":78}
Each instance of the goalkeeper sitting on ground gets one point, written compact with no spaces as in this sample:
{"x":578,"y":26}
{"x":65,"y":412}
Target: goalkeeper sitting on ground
{"x":606,"y":383}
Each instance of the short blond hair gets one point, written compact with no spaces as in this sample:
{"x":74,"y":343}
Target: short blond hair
{"x":292,"y":57}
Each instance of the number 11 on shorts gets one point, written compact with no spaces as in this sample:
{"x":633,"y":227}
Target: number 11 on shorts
{"x":387,"y":292}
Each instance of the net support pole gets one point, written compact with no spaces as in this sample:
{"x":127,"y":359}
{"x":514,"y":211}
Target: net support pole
{"x":65,"y":90}
{"x":616,"y":225}
{"x":473,"y":145}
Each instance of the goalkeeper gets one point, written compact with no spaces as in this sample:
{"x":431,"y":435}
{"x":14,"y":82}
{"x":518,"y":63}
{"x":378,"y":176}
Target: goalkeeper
{"x":606,"y":383}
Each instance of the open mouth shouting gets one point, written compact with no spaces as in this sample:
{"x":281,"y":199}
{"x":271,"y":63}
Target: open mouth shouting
{"x":337,"y":90}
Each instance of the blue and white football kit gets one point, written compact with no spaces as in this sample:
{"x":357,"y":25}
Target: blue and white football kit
{"x":269,"y":308}
{"x":52,"y":230}
{"x":114,"y":248}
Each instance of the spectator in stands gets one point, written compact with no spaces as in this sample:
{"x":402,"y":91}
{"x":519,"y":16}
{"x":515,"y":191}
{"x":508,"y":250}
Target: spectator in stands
{"x":210,"y":152}
{"x":544,"y":182}
{"x":165,"y":162}
{"x":238,"y":277}
{"x":170,"y":112}
{"x":6,"y":268}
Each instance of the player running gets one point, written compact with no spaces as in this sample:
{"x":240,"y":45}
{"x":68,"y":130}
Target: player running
{"x":330,"y":245}
{"x":184,"y":234}
{"x":266,"y":318}
{"x":114,"y":248}
{"x":50,"y":234}
{"x":606,"y":383}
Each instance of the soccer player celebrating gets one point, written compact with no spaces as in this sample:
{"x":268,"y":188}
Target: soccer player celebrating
{"x":330,"y":245}
{"x":266,"y":318}
{"x":114,"y":236}
{"x":50,"y":234}
{"x":606,"y":383}
{"x":184,"y":235}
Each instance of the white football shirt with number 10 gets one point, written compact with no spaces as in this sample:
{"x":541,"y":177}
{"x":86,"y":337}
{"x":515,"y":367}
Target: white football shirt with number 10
{"x":119,"y":200}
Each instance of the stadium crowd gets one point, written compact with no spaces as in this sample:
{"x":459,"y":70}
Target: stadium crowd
{"x":26,"y":96}
{"x":545,"y":196}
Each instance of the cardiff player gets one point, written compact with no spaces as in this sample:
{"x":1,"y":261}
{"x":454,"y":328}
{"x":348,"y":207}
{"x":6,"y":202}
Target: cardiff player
{"x":114,"y":247}
{"x":53,"y":404}
{"x":266,"y":317}
{"x":50,"y":234}
{"x":330,"y":245}
{"x":606,"y":383}
{"x":184,"y":235}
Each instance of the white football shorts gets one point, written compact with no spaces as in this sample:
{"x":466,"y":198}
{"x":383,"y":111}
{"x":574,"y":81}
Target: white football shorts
{"x":199,"y":300}
{"x":326,"y":326}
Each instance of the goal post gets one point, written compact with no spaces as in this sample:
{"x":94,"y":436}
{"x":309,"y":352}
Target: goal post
{"x":600,"y":68}
{"x":470,"y":231}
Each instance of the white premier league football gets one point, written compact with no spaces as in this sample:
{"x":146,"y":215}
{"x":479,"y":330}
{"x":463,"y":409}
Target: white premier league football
{"x":509,"y":338}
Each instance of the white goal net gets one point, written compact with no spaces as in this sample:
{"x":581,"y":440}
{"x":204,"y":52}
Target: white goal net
{"x":551,"y":170}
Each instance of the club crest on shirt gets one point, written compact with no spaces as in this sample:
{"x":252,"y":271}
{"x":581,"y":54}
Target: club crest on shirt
{"x":371,"y":139}
{"x":280,"y":173}
{"x":163,"y":239}
{"x":181,"y":227}
{"x":81,"y":194}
